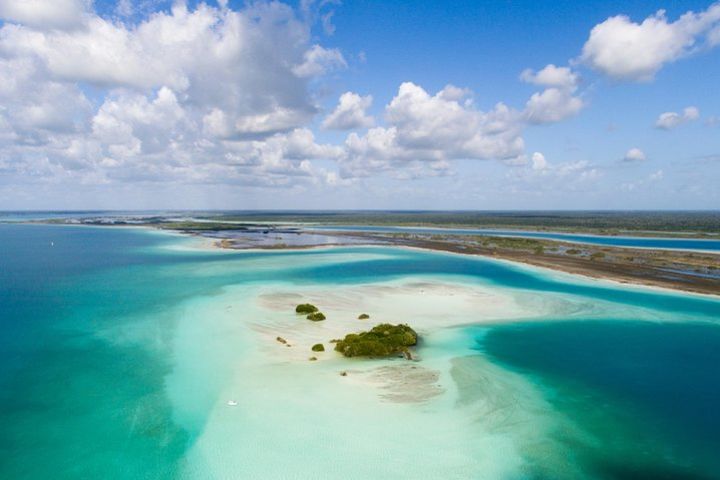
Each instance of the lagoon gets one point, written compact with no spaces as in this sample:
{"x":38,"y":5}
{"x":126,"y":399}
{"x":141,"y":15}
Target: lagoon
{"x":123,"y":347}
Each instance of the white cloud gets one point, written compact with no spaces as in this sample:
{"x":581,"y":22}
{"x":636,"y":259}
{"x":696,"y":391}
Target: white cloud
{"x":190,"y":95}
{"x":552,"y":105}
{"x":424,"y":131}
{"x":714,"y":37}
{"x":623,"y":49}
{"x":670,"y":120}
{"x":634,"y":155}
{"x":132,"y":124}
{"x":538,"y":161}
{"x":45,"y":13}
{"x":558,"y":101}
{"x":350,"y":113}
{"x":238,"y":61}
{"x":551,"y":76}
{"x":318,"y":61}
{"x":442,"y":126}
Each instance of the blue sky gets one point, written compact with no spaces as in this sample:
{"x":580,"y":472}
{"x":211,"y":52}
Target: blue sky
{"x":152,"y":104}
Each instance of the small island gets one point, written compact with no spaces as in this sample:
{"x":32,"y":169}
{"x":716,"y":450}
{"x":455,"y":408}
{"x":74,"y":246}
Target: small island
{"x":318,"y":347}
{"x":313,"y":313}
{"x":363,"y":316}
{"x":382,"y":341}
{"x":306,"y":308}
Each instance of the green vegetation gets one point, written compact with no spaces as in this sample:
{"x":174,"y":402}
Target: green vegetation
{"x":316,"y":317}
{"x":603,"y":222}
{"x":305,"y":308}
{"x":382,"y":341}
{"x":197,"y":226}
{"x":363,"y":316}
{"x":515,"y":243}
{"x":318,"y":347}
{"x":597,"y":256}
{"x":573,"y":251}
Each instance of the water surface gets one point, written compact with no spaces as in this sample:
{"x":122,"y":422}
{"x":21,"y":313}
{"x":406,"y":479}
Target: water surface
{"x":121,"y":347}
{"x":607,"y":240}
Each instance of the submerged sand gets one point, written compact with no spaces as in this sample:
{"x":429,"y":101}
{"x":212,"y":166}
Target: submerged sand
{"x":264,"y":410}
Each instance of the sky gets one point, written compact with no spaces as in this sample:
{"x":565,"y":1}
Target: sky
{"x":323,"y":104}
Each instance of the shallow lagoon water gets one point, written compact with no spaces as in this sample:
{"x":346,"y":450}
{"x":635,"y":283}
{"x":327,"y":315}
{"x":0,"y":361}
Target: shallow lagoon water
{"x":692,"y":244}
{"x":120,"y":352}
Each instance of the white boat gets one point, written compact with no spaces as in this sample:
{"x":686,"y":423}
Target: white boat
{"x":232,"y":403}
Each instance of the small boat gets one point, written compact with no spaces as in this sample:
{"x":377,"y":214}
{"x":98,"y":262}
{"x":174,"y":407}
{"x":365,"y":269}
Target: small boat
{"x":232,"y":403}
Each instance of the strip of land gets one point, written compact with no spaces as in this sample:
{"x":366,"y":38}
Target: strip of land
{"x":696,"y":272}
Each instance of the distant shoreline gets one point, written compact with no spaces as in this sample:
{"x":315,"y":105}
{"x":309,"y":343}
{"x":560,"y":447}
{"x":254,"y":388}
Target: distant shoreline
{"x":616,"y":272}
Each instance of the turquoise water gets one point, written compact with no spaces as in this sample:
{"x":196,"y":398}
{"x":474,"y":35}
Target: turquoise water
{"x":121,"y":347}
{"x":613,"y":241}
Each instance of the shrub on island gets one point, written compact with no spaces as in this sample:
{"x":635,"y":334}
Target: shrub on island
{"x":318,"y":347}
{"x":382,"y":341}
{"x":316,"y":317}
{"x":306,"y":308}
{"x":363,"y":316}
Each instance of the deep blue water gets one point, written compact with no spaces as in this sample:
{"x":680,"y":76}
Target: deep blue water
{"x":616,"y":241}
{"x":656,"y":384}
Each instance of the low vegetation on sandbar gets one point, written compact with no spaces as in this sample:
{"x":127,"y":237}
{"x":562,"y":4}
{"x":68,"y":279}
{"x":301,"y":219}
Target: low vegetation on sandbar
{"x":312,"y":312}
{"x":306,"y":308}
{"x":318,"y":347}
{"x":363,"y":316}
{"x":382,"y":341}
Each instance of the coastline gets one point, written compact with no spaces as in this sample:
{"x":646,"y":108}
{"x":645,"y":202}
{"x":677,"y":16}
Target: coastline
{"x":636,"y":275}
{"x":617,"y":274}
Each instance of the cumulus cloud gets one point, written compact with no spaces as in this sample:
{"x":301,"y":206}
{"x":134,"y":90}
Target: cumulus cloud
{"x":211,"y":94}
{"x":45,"y":13}
{"x":350,"y":113}
{"x":626,"y":50}
{"x":428,"y":130}
{"x":239,"y":61}
{"x":551,"y":76}
{"x":201,"y":95}
{"x":552,"y":105}
{"x":318,"y":61}
{"x":670,"y":120}
{"x":634,"y":155}
{"x":538,"y":161}
{"x":558,"y":101}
